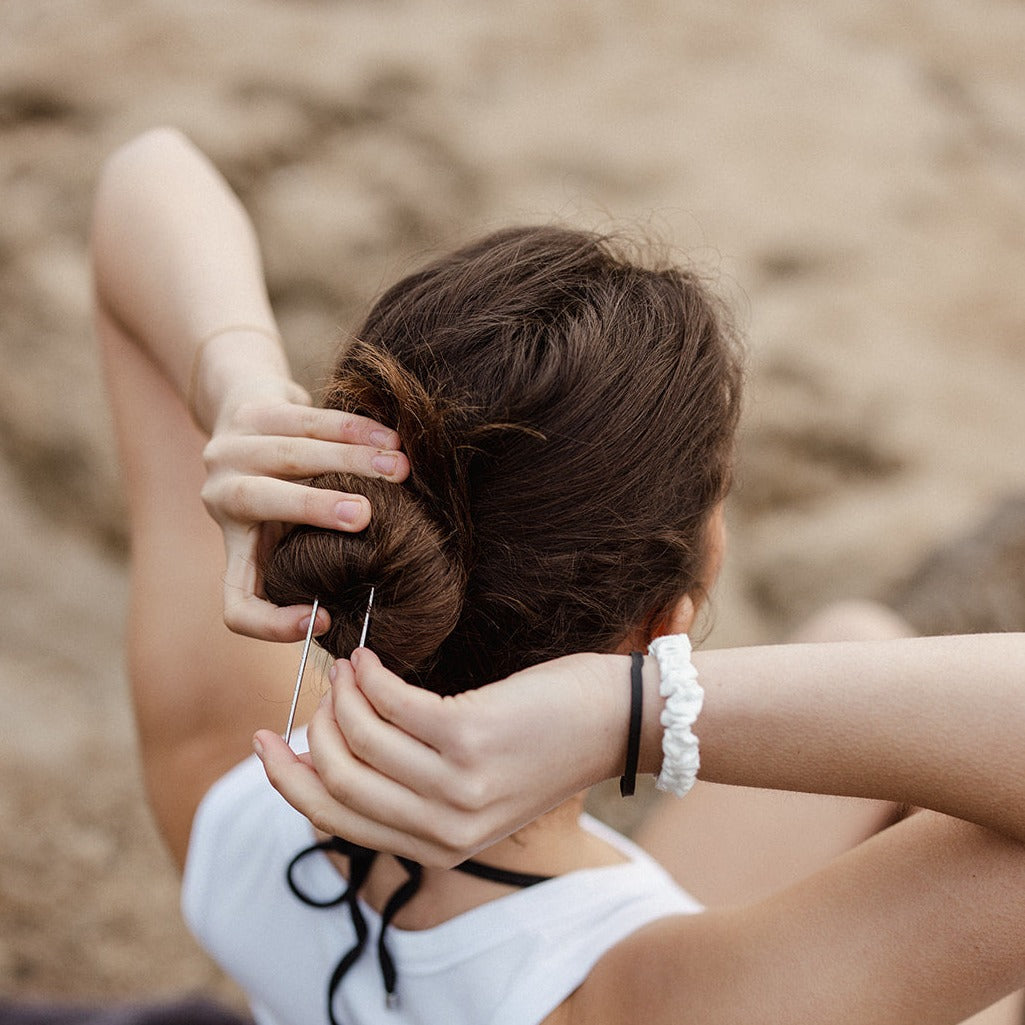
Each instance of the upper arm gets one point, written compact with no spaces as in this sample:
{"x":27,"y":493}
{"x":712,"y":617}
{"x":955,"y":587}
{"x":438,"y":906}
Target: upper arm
{"x":920,"y":923}
{"x":199,"y":691}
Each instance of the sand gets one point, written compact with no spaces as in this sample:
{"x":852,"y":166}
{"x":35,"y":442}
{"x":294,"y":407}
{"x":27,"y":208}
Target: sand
{"x":850,"y":174}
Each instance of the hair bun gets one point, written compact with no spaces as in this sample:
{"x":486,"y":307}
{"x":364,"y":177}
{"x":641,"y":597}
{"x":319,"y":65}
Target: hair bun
{"x":404,"y":554}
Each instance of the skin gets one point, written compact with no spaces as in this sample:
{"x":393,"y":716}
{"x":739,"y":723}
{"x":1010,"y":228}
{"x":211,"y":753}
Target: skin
{"x":203,"y":496}
{"x":174,"y":293}
{"x":911,"y":925}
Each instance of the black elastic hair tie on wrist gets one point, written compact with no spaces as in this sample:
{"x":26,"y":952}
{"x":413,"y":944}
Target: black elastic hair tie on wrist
{"x":628,"y":781}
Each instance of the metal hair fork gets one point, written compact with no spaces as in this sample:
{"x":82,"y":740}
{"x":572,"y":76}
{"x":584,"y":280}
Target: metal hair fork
{"x":306,"y":652}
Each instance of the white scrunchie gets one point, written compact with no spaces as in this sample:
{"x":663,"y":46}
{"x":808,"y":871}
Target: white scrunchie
{"x":683,"y":699}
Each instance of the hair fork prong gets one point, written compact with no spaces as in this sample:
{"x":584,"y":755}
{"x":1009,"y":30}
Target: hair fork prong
{"x":302,"y":669}
{"x":366,"y":619}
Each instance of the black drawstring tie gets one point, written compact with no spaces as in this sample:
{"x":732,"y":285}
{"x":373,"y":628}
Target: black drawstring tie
{"x":396,"y":902}
{"x":361,"y":860}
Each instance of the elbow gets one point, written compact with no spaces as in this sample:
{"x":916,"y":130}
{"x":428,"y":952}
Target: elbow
{"x":136,"y":161}
{"x":154,"y":144}
{"x":143,"y":155}
{"x":128,"y":178}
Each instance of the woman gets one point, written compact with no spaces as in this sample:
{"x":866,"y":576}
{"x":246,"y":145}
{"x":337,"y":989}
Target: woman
{"x":614,"y":548}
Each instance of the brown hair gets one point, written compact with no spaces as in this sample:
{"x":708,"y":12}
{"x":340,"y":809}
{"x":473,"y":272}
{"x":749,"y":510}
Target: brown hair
{"x":569,"y":418}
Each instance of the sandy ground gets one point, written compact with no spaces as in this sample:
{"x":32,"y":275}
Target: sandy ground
{"x":851,"y":173}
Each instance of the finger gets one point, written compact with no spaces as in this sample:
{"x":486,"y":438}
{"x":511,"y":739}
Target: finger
{"x":257,"y":617}
{"x":294,"y":458}
{"x":297,"y":781}
{"x":420,"y":713}
{"x":380,"y":744}
{"x":328,"y":424}
{"x":397,"y":802}
{"x":245,"y":612}
{"x":253,"y":500}
{"x":303,"y":788}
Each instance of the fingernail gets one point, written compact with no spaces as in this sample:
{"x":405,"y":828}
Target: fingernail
{"x":384,"y":465}
{"x":355,"y":656}
{"x":332,"y":672}
{"x":258,"y":748}
{"x":383,"y":439}
{"x":348,"y":511}
{"x":304,"y":624}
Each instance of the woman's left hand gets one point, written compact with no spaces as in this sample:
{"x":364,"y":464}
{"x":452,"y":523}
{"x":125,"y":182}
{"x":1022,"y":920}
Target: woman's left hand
{"x":400,"y":769}
{"x":267,"y":439}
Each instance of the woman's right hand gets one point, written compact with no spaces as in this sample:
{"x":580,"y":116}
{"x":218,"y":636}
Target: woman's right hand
{"x":195,"y":302}
{"x":268,"y":438}
{"x":400,"y":769}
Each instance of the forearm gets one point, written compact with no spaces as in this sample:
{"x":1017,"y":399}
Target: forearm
{"x":933,"y":722}
{"x":175,"y":260}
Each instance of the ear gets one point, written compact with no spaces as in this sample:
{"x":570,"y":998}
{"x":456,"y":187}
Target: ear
{"x":680,"y":619}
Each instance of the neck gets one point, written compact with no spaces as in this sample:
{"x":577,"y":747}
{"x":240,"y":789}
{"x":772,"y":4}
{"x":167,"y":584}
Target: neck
{"x":553,"y":844}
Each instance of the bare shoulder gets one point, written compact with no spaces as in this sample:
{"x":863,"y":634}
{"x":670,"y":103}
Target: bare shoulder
{"x":656,"y":973}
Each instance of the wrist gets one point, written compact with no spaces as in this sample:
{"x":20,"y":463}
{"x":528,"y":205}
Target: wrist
{"x":231,"y":366}
{"x":609,"y":678}
{"x":683,"y":698}
{"x":650,"y":761}
{"x":605,"y":690}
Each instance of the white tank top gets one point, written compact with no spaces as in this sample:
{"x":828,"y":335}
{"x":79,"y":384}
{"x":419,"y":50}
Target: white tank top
{"x":510,"y":961}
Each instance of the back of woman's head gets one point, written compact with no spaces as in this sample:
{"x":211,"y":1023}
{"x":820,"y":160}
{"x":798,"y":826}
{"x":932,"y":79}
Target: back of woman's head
{"x":569,"y":419}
